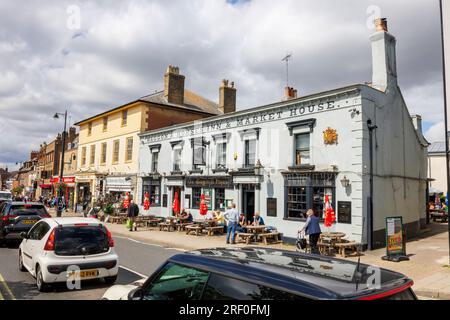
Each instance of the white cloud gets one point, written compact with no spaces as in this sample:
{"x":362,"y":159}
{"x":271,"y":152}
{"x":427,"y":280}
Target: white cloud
{"x":123,"y":48}
{"x":436,"y":132}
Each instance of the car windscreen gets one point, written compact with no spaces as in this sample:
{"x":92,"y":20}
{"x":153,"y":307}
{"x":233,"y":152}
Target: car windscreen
{"x":80,"y":240}
{"x":22,"y":210}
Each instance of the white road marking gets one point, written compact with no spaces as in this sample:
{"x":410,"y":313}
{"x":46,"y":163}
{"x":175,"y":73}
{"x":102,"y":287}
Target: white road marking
{"x":132,"y":271}
{"x":140,"y":242}
{"x":5,"y":286}
{"x":149,"y":244}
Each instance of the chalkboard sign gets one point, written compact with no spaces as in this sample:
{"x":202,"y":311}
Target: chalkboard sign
{"x":271,"y":207}
{"x":344,"y":212}
{"x":164,"y":200}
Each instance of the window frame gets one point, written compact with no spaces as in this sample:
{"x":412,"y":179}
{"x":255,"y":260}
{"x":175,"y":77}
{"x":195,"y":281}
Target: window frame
{"x":129,"y":152}
{"x":196,"y":199}
{"x":83,"y":155}
{"x":104,"y":148}
{"x":155,"y":162}
{"x":116,"y":153}
{"x":105,"y":123}
{"x":312,"y":181}
{"x":89,"y":129}
{"x":247,"y":153}
{"x":297,"y":135}
{"x":124,"y":121}
{"x":92,"y":155}
{"x":221,"y":155}
{"x":216,"y":198}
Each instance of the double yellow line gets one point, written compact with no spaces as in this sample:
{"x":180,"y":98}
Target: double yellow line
{"x":5,"y":291}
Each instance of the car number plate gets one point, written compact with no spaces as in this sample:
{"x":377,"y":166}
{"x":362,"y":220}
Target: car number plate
{"x":28,"y":221}
{"x":84,"y":274}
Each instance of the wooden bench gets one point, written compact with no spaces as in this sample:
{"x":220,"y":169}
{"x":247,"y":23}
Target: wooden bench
{"x":194,"y":228}
{"x":182,"y":226}
{"x":270,"y":235}
{"x":212,"y":230}
{"x":324,"y":247}
{"x":245,"y":237}
{"x":166,"y":225}
{"x":352,"y":245}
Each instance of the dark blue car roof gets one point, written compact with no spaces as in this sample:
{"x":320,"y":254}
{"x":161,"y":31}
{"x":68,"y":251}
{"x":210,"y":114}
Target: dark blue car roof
{"x":312,"y":276}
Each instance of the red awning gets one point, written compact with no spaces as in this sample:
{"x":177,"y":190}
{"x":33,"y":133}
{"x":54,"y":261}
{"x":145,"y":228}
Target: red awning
{"x":45,"y":186}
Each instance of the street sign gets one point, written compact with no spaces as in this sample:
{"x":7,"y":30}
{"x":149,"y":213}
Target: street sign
{"x":395,"y":240}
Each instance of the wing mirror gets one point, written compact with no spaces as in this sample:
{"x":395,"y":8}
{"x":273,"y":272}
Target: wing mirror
{"x":136,"y":294}
{"x":24,"y":235}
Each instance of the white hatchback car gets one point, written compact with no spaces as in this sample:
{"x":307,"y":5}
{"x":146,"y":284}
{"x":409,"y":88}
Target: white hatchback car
{"x":68,"y":249}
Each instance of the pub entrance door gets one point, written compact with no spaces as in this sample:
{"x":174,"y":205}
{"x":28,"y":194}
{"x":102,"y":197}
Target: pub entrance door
{"x":248,"y":201}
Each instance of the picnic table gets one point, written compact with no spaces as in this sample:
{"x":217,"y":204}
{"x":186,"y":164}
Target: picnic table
{"x":207,"y":222}
{"x":328,"y":241}
{"x":439,"y":214}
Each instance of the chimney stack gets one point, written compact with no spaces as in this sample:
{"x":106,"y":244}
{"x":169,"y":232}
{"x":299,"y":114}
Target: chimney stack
{"x":417,"y":121}
{"x":174,"y":85}
{"x":290,"y":93}
{"x":384,"y":64}
{"x":227,"y":97}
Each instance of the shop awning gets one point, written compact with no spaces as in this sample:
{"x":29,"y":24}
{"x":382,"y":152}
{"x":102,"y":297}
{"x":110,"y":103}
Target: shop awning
{"x":45,"y":186}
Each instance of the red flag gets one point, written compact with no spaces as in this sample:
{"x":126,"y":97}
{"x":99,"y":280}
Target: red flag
{"x":146,"y":202}
{"x":203,"y":206}
{"x":126,"y":201}
{"x":176,"y":204}
{"x":330,"y":216}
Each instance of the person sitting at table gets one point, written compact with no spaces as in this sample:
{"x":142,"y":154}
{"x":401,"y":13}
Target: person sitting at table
{"x":312,"y":229}
{"x":431,"y":205}
{"x":219,"y":218}
{"x":258,"y":220}
{"x":242,"y":223}
{"x":186,"y":216}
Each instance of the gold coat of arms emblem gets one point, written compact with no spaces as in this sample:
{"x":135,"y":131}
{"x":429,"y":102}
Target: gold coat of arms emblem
{"x":330,"y":136}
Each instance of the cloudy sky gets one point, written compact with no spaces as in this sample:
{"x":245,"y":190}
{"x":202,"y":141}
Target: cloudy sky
{"x":89,"y":56}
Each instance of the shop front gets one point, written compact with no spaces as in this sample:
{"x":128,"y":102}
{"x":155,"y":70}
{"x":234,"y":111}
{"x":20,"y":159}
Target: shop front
{"x":152,"y":186}
{"x":119,"y":186}
{"x":216,"y":190}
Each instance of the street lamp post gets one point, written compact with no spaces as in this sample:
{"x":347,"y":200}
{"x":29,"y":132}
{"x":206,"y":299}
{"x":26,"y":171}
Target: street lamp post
{"x":61,"y":171}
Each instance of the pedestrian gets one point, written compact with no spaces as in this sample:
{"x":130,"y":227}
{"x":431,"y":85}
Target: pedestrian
{"x":258,"y":220}
{"x":232,"y":218}
{"x":132,"y":213}
{"x":312,"y":229}
{"x":242,"y":223}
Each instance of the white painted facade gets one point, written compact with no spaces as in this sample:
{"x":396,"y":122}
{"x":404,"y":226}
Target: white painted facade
{"x":400,"y":154}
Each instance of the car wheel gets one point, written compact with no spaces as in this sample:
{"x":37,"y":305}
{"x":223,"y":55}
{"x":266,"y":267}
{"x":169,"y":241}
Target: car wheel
{"x":110,"y":280}
{"x":21,"y":266}
{"x":41,"y":285}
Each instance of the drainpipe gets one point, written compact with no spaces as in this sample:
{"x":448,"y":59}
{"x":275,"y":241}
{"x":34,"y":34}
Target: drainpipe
{"x":371,"y":128}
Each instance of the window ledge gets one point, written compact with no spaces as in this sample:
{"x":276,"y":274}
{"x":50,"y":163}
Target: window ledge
{"x":196,"y":171}
{"x":176,"y":173}
{"x":295,"y":219}
{"x":302,"y":167}
{"x":220,"y":170}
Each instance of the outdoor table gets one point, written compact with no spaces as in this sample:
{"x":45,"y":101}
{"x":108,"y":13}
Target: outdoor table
{"x":208,"y":222}
{"x":256,"y":230}
{"x":439,"y":214}
{"x":332,"y":238}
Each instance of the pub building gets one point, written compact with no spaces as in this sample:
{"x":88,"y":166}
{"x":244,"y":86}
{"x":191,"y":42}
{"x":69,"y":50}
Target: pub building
{"x":357,"y":144}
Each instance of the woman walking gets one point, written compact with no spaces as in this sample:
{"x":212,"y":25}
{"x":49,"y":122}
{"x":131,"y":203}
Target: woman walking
{"x":312,"y":229}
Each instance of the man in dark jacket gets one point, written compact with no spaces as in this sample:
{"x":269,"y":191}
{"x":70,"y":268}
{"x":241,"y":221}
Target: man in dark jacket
{"x":132,"y":213}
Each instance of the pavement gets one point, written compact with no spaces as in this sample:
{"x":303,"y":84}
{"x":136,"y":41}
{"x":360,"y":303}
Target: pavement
{"x":428,"y":253}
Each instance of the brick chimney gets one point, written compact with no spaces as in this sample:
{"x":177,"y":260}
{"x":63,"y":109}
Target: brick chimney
{"x":174,"y":85}
{"x":290,"y":93}
{"x":384,"y":64}
{"x":227,"y":97}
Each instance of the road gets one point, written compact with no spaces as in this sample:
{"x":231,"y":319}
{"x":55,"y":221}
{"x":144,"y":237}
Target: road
{"x":137,"y":259}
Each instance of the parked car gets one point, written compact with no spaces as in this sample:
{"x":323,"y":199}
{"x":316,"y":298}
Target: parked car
{"x":17,"y":217}
{"x":5,"y":196}
{"x":60,"y":249}
{"x":264,"y":274}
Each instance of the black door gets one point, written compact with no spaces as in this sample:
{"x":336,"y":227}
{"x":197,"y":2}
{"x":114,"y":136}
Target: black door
{"x":249,"y":204}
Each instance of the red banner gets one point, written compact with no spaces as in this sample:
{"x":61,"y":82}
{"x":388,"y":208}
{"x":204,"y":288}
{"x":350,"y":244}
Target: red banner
{"x":65,"y":180}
